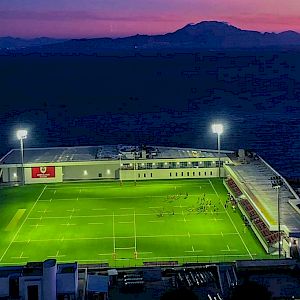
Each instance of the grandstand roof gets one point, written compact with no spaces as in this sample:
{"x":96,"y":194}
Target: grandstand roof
{"x":254,"y":179}
{"x":103,"y":152}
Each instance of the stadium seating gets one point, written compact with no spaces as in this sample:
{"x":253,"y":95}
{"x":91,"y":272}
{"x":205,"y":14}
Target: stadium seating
{"x":233,"y":187}
{"x":269,"y":236}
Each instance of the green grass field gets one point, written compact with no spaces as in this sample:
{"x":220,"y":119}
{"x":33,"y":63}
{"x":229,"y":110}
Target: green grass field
{"x":123,"y":225}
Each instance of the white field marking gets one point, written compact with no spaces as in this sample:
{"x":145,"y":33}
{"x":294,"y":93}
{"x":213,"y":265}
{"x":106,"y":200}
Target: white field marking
{"x":129,"y":222}
{"x":99,"y":208}
{"x":193,"y":248}
{"x":208,"y":234}
{"x":104,"y":254}
{"x":37,"y":225}
{"x":95,"y":223}
{"x":184,"y":220}
{"x":125,"y":248}
{"x":19,"y":257}
{"x":28,"y":241}
{"x":45,"y":200}
{"x":54,"y":192}
{"x":73,"y":210}
{"x":33,"y":218}
{"x":62,"y":239}
{"x":114,"y":238}
{"x":14,"y":237}
{"x":215,"y":219}
{"x":90,"y":216}
{"x":189,"y":235}
{"x":134,"y":229}
{"x":68,"y":224}
{"x":193,"y":251}
{"x":231,"y":220}
{"x":158,"y":221}
{"x":155,"y":207}
{"x":44,"y":211}
{"x":190,"y":256}
{"x":78,"y":195}
{"x":57,"y":255}
{"x":121,"y":237}
{"x":182,"y":213}
{"x":180,"y":206}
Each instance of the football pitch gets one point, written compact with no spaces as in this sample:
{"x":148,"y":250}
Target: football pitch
{"x":123,"y":225}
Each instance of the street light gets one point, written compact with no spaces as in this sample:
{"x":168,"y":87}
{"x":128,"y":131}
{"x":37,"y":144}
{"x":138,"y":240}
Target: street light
{"x":277,"y":183}
{"x":218,"y":129}
{"x":21,"y":135}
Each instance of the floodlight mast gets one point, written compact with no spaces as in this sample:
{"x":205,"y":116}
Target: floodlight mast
{"x":218,"y":129}
{"x":277,"y":183}
{"x":21,"y":135}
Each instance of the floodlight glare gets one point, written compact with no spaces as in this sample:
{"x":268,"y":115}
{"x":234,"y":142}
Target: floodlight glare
{"x":21,"y":134}
{"x":217,"y":128}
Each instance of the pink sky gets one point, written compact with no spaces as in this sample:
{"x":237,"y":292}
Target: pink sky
{"x":113,"y":18}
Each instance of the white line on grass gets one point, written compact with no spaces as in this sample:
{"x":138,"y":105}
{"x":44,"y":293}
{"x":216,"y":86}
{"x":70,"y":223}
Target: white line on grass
{"x":125,"y":248}
{"x":129,"y":222}
{"x":190,"y":256}
{"x":134,"y":229}
{"x":231,"y":220}
{"x":114,"y":238}
{"x":157,"y":221}
{"x":14,"y":237}
{"x":95,"y":223}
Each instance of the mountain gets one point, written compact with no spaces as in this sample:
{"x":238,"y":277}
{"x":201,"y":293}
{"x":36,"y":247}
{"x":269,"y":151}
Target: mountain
{"x":203,"y":35}
{"x":15,"y":43}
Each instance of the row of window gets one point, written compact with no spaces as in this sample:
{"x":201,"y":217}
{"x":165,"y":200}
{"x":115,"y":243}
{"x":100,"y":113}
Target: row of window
{"x":173,"y":165}
{"x":179,"y":174}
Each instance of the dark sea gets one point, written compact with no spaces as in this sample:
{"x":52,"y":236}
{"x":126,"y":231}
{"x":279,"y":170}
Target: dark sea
{"x":167,"y":99}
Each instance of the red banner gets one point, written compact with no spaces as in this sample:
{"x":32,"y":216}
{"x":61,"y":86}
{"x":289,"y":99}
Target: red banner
{"x":43,"y":172}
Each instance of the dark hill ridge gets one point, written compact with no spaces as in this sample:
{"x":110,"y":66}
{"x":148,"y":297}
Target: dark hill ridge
{"x":14,"y":43}
{"x":203,"y":35}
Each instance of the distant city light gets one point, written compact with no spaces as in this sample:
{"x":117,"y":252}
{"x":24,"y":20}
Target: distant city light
{"x":21,"y":134}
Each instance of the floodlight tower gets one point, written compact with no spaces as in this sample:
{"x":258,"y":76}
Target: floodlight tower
{"x":218,"y":129}
{"x":21,"y":135}
{"x":277,"y":183}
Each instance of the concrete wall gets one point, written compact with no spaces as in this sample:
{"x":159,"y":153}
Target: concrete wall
{"x":30,"y":180}
{"x":108,"y":170}
{"x":165,"y":173}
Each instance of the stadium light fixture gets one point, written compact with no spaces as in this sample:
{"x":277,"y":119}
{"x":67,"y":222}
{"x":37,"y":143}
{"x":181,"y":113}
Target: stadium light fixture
{"x":277,"y":183}
{"x":218,"y":129}
{"x":21,"y":135}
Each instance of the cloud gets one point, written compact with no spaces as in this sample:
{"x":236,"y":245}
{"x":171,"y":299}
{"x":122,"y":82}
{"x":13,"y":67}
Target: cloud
{"x":86,"y":16}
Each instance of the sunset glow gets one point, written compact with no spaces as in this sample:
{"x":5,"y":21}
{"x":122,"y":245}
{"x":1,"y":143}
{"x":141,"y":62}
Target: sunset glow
{"x":116,"y":18}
